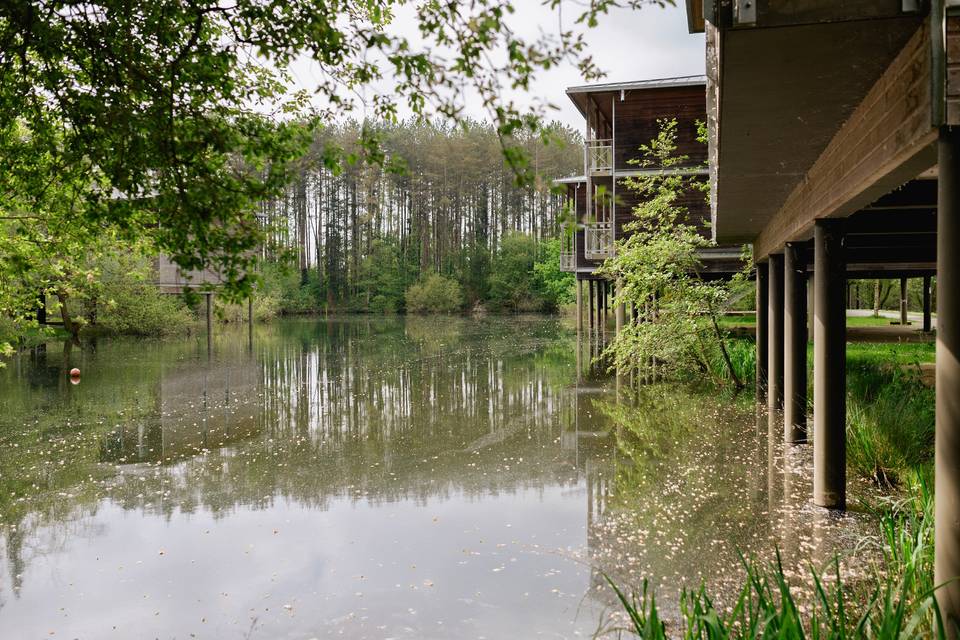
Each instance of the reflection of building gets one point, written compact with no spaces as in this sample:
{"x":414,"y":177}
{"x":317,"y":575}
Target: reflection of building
{"x":198,"y":407}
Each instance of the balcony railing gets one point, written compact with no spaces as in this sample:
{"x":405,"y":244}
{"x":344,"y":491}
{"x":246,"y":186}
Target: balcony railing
{"x":600,"y":155}
{"x":598,"y":240}
{"x":568,"y":261}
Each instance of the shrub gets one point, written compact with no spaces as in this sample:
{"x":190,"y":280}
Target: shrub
{"x":512,"y":286}
{"x":436,"y":294}
{"x":128,"y":304}
{"x":555,"y":287}
{"x":265,"y":307}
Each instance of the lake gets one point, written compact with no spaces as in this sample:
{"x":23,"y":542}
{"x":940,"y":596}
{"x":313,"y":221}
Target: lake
{"x":378,"y":478}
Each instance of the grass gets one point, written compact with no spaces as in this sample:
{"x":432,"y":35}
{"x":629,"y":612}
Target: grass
{"x":901,"y":605}
{"x":744,"y":320}
{"x":890,"y":412}
{"x":750,"y":319}
{"x":868,"y":321}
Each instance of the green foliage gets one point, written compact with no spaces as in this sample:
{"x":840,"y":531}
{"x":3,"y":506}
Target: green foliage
{"x":890,"y":412}
{"x":656,"y":271}
{"x":513,"y":286}
{"x":382,"y":279}
{"x":126,"y":302}
{"x":283,"y":284}
{"x":435,"y":294}
{"x":555,"y":287}
{"x":161,"y":123}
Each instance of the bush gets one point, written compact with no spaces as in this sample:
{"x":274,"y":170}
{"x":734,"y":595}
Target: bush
{"x":126,"y":303}
{"x":265,"y":307}
{"x":512,"y":286}
{"x":283,"y":285}
{"x":436,"y":294}
{"x":554,"y":287}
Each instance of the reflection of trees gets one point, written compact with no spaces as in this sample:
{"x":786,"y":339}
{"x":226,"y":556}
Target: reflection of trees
{"x":694,"y":485}
{"x":367,"y":410}
{"x":685,"y":458}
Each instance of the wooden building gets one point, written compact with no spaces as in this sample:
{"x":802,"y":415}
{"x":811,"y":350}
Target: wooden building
{"x":835,"y":150}
{"x":169,"y":277}
{"x":620,"y":118}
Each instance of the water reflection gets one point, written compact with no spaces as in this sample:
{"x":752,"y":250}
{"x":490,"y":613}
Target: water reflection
{"x":371,"y":478}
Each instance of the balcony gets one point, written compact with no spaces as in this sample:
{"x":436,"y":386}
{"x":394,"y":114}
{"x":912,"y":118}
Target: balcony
{"x":598,"y":240}
{"x":600,"y":156}
{"x":568,"y":261}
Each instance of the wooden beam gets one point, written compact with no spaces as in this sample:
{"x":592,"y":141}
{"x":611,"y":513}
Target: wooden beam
{"x":887,"y":141}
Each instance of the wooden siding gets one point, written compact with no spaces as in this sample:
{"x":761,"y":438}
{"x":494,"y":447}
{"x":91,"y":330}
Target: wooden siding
{"x":170,"y":278}
{"x":953,"y":70}
{"x":693,"y":199}
{"x":637,"y":122}
{"x":887,"y":141}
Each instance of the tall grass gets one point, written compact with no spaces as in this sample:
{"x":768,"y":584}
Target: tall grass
{"x":901,"y":605}
{"x":890,"y":412}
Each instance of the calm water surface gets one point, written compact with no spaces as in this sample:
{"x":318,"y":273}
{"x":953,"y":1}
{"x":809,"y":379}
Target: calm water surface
{"x":391,"y":478}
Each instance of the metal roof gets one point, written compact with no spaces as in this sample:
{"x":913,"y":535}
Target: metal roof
{"x":658,"y":83}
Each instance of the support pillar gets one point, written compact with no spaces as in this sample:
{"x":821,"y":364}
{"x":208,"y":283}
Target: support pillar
{"x":579,"y":305}
{"x":775,"y":334}
{"x":829,"y":367}
{"x":947,"y":465}
{"x":590,"y":316}
{"x":762,"y":324}
{"x":810,"y":278}
{"x":794,"y":344}
{"x":903,"y":302}
{"x":606,"y":305}
{"x":927,"y":320}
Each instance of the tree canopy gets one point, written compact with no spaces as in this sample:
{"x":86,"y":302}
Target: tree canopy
{"x":170,"y":121}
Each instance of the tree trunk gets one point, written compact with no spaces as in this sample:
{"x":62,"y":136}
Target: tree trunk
{"x":72,"y":327}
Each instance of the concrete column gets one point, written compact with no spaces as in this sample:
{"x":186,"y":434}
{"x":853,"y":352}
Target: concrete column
{"x":927,"y":323}
{"x":590,"y":317}
{"x":903,"y":302}
{"x":762,"y":325}
{"x":775,"y":334}
{"x":947,"y":465}
{"x":829,"y":367}
{"x":603,"y":304}
{"x":579,"y":305}
{"x":794,"y":344}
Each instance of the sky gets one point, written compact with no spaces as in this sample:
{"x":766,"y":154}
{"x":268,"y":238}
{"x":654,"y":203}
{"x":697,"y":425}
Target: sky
{"x":627,"y":44}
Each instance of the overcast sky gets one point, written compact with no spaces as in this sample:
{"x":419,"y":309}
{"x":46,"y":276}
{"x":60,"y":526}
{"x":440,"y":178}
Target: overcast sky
{"x":628,"y":45}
